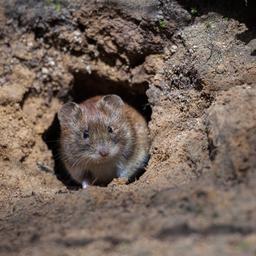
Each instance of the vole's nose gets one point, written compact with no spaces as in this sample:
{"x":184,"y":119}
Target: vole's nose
{"x":103,"y":152}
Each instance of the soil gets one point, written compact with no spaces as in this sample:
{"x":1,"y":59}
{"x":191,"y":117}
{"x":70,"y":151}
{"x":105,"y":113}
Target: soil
{"x":189,"y":68}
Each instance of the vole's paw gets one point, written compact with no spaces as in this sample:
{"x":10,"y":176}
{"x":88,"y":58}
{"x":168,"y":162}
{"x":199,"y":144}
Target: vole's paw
{"x":118,"y":182}
{"x":85,"y":184}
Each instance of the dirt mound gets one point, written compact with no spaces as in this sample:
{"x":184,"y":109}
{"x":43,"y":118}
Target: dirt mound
{"x":193,"y":78}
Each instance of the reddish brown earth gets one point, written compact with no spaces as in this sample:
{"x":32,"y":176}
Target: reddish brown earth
{"x":194,"y":79}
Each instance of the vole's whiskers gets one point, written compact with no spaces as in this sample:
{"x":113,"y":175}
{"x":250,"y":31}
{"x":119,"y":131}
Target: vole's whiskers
{"x":76,"y":162}
{"x":79,"y":160}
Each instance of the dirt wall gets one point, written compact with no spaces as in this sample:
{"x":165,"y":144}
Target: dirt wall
{"x":192,"y":75}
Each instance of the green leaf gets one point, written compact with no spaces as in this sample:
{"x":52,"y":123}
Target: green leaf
{"x":162,"y":24}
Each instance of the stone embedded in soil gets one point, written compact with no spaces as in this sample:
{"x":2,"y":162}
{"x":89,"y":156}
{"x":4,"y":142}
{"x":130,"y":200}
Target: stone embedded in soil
{"x":232,"y":132}
{"x":17,"y":135}
{"x":19,"y":82}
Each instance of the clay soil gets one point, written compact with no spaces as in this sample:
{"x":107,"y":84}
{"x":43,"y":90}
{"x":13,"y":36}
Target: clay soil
{"x":189,"y":67}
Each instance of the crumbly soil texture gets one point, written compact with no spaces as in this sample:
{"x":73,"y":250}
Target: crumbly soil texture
{"x":189,"y":67}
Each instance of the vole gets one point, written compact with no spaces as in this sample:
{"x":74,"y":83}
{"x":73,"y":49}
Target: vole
{"x":101,"y":139}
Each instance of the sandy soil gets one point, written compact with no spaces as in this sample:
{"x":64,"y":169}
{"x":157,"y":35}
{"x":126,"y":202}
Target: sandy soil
{"x":190,"y":72}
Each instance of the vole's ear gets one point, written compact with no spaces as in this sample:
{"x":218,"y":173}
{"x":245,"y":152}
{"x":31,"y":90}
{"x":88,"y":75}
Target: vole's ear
{"x":111,"y":101}
{"x":69,"y":113}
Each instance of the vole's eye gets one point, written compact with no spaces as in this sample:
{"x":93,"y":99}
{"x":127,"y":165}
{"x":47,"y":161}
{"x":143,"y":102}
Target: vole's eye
{"x":86,"y":134}
{"x":110,"y":130}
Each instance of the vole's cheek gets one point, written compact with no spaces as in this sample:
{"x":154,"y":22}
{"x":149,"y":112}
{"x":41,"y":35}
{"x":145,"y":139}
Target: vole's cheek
{"x":115,"y":150}
{"x":115,"y":138}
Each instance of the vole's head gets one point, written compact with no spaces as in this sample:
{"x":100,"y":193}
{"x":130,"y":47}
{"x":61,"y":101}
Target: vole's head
{"x":95,"y":132}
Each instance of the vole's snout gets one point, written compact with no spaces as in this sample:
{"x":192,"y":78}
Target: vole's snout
{"x":103,"y":151}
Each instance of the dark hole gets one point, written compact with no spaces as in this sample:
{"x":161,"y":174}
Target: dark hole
{"x":247,"y":36}
{"x":253,"y":53}
{"x":212,"y":149}
{"x":84,"y":87}
{"x":242,"y":10}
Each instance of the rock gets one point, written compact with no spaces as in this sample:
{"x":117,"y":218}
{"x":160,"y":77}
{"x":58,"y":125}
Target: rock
{"x":232,"y":133}
{"x":16,"y":137}
{"x":18,"y":84}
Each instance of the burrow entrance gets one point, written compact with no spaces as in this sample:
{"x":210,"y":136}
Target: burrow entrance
{"x":85,"y":86}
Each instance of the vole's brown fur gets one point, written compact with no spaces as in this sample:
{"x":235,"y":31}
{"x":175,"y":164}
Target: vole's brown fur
{"x":104,"y":138}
